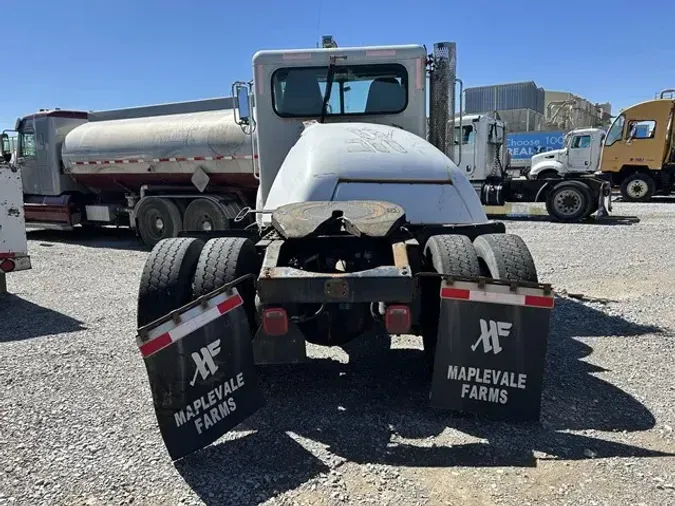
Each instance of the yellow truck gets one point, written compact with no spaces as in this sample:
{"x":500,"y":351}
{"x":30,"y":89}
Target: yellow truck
{"x":638,"y":154}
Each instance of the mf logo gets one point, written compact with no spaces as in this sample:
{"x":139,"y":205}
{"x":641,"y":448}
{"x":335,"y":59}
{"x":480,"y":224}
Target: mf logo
{"x":204,"y":361}
{"x":490,"y":332}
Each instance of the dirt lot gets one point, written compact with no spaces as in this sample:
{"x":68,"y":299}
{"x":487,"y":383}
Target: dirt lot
{"x":352,"y":426}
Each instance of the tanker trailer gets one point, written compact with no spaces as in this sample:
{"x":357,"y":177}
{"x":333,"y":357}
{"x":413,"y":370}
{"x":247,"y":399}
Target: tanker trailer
{"x":160,"y":169}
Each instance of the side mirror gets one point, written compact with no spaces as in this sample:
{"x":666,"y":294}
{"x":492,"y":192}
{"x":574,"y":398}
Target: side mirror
{"x":242,"y":103}
{"x":5,"y":148}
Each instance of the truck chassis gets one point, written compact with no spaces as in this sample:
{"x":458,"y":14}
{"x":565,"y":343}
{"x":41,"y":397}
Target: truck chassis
{"x":209,"y":312}
{"x":571,"y":198}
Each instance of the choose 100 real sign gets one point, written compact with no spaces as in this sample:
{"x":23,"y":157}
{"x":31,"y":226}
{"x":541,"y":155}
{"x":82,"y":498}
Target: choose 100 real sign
{"x":522,"y":146}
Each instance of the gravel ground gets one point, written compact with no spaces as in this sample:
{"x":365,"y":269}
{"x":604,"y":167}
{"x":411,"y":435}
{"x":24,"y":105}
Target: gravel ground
{"x":352,"y":427}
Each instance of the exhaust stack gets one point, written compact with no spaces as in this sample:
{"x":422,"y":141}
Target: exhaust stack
{"x":442,"y":97}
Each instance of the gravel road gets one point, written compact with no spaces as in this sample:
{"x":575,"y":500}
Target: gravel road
{"x":352,"y":427}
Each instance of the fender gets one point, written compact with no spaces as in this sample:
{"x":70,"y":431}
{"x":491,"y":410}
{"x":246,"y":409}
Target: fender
{"x":547,"y":164}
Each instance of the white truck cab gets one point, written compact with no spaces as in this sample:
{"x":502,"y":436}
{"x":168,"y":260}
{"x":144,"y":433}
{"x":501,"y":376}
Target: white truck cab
{"x":480,"y":148}
{"x":580,"y":154}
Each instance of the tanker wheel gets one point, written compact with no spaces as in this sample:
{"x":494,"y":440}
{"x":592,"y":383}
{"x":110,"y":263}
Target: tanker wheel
{"x":204,"y":215}
{"x":157,"y":218}
{"x":444,"y":254}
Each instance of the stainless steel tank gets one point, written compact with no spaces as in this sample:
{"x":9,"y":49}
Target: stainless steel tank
{"x":162,"y":144}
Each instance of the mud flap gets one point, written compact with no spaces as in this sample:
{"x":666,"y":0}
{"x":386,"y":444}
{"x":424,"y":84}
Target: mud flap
{"x":202,"y":376}
{"x":491,"y":349}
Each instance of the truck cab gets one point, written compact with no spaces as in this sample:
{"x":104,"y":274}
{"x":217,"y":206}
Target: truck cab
{"x":580,"y":154}
{"x":639,"y":152}
{"x":309,"y":104}
{"x":479,"y":146}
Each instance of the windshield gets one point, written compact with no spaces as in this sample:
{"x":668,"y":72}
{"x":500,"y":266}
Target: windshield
{"x":616,"y":130}
{"x":356,"y":89}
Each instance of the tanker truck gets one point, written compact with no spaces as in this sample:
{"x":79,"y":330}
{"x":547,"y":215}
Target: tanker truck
{"x":159,"y":169}
{"x":361,"y":227}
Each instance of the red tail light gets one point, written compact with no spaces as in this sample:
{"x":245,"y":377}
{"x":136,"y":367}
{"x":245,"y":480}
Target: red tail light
{"x":7,"y":265}
{"x":275,"y":321}
{"x":397,"y":319}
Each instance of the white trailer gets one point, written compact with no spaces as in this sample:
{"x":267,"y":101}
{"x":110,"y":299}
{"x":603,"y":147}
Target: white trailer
{"x":13,"y":243}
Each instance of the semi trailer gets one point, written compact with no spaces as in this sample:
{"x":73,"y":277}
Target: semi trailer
{"x":359,"y":224}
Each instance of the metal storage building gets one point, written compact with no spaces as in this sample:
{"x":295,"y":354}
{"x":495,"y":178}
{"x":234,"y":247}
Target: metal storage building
{"x":503,"y":97}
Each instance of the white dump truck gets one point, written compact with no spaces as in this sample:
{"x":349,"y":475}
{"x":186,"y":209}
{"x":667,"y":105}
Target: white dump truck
{"x":580,"y":154}
{"x":564,"y":178}
{"x":360,"y":224}
{"x":13,"y":244}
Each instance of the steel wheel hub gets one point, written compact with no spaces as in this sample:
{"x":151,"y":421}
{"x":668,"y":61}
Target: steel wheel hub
{"x":567,"y":202}
{"x":637,"y":189}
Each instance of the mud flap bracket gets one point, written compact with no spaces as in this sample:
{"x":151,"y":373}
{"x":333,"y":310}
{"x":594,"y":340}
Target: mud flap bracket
{"x":491,"y":348}
{"x":287,"y":349}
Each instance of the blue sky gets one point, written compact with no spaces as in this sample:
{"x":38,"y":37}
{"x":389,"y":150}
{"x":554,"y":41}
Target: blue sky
{"x":99,"y":54}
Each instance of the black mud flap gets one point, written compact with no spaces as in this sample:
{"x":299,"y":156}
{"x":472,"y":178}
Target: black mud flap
{"x":491,"y":349}
{"x":200,"y":364}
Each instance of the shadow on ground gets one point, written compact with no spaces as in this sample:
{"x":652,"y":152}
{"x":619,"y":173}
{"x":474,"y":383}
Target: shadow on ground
{"x":104,"y":237}
{"x":356,"y":409}
{"x":608,"y":221}
{"x":21,"y":319}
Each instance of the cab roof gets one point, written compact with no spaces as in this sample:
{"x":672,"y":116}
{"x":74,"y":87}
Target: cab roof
{"x":320,"y":55}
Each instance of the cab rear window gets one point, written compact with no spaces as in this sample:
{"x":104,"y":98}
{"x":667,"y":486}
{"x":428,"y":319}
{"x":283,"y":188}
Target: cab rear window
{"x":355,"y":90}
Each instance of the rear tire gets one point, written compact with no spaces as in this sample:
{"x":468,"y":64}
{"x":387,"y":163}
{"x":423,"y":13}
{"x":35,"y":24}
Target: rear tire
{"x":166,"y":282}
{"x":638,"y":187}
{"x":569,"y":201}
{"x":156,"y":219}
{"x":444,"y":254}
{"x":204,"y":215}
{"x":505,"y":257}
{"x":222,"y":261}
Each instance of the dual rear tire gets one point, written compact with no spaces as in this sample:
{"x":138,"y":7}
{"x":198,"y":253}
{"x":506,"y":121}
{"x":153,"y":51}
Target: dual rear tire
{"x":181,"y":269}
{"x":497,"y":256}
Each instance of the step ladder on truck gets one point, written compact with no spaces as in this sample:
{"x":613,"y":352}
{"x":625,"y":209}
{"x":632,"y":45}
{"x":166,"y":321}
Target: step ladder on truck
{"x":360,"y":223}
{"x":13,"y":243}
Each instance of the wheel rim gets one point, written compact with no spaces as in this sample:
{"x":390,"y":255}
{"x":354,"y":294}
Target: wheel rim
{"x":155,"y":225}
{"x":637,"y":189}
{"x":568,"y":202}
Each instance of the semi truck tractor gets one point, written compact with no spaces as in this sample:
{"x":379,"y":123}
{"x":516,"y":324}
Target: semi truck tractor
{"x":14,"y":255}
{"x":359,"y":224}
{"x":564,"y":179}
{"x":638,"y":154}
{"x":159,"y":169}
